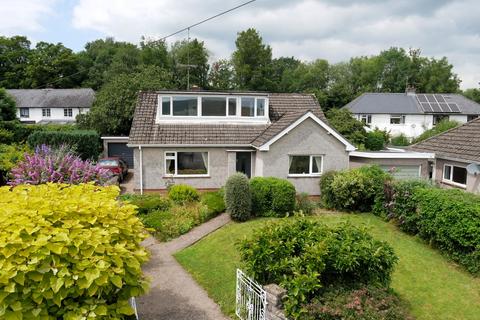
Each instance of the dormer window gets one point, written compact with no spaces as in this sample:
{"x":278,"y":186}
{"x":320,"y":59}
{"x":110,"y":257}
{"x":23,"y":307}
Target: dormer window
{"x":215,"y":107}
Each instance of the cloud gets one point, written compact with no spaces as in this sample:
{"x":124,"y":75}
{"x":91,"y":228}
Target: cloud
{"x":24,"y":16}
{"x":308,"y":29}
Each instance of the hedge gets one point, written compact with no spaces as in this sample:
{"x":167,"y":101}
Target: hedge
{"x":303,"y":256}
{"x":68,"y":252}
{"x":354,"y":189}
{"x":449,"y":219}
{"x":272,"y":196}
{"x":85,"y":142}
{"x":238,"y":197}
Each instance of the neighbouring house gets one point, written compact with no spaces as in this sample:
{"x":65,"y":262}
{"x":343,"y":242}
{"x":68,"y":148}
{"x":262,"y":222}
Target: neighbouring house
{"x":457,"y":156}
{"x":51,"y":105}
{"x":201,"y":138}
{"x":410,"y":113}
{"x":402,"y":164}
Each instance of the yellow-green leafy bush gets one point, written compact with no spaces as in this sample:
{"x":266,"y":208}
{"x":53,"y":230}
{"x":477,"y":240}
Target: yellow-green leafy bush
{"x":68,"y":252}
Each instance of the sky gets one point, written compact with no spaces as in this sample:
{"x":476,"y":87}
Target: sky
{"x":334,"y":30}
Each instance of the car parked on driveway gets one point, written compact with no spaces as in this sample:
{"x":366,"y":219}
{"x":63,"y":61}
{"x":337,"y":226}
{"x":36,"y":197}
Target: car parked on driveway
{"x":115,"y":165}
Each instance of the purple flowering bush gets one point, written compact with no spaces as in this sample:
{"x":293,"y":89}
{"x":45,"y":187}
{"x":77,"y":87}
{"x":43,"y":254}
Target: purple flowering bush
{"x":61,"y":165}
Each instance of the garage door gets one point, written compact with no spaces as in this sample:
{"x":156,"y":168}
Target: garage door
{"x":403,"y":172}
{"x":121,"y":150}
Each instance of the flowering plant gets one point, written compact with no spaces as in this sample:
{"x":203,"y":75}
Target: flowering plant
{"x":61,"y":165}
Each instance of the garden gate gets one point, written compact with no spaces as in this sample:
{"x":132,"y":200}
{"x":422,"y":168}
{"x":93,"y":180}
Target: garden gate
{"x":251,"y":299}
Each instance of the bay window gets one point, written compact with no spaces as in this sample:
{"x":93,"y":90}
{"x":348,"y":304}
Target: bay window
{"x":455,"y":174}
{"x":186,"y":163}
{"x":302,"y":165}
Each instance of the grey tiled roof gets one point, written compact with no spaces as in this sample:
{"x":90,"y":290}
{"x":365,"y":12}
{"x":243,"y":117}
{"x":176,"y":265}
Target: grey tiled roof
{"x":284,"y":109}
{"x":401,"y":103}
{"x":462,"y":142}
{"x":53,"y":98}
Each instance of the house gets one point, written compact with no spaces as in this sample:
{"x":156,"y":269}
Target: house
{"x":410,"y":113}
{"x":457,"y":156}
{"x":51,"y":105}
{"x":201,"y":138}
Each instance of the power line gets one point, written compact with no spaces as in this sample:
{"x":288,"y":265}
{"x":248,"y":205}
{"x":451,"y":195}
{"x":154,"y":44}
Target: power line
{"x":205,"y":20}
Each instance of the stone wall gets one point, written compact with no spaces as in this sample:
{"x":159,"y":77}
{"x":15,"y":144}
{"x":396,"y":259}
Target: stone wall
{"x":275,"y":296}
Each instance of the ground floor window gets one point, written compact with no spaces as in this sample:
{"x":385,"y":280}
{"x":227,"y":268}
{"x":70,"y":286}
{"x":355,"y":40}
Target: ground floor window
{"x":24,"y":113}
{"x":186,"y":163}
{"x":305,"y":165}
{"x":455,"y":174}
{"x":397,"y":119}
{"x":46,"y":112}
{"x":68,"y":112}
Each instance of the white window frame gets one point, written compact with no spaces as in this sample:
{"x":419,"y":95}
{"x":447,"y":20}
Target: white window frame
{"x":175,"y":158}
{"x":256,"y":118}
{"x":449,"y":180}
{"x":366,"y":117}
{"x":68,"y":112}
{"x":46,"y":113}
{"x":310,"y":169}
{"x":402,"y":118}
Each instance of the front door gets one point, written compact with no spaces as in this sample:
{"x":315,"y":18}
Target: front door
{"x":244,"y":163}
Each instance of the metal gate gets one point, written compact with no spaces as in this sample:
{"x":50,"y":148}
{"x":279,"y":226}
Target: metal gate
{"x":251,"y":299}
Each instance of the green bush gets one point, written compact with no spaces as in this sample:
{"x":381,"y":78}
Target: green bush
{"x":86,"y":143}
{"x":304,"y":204}
{"x":440,"y":127}
{"x":147,"y":203}
{"x":367,"y":303}
{"x":272,"y":196}
{"x":68,"y":252}
{"x":354,"y":189}
{"x":238,"y":197}
{"x":450,"y":219}
{"x":303,"y":256}
{"x":9,"y":156}
{"x":376,"y":140}
{"x":214,"y":201}
{"x":183,"y":193}
{"x":401,"y":140}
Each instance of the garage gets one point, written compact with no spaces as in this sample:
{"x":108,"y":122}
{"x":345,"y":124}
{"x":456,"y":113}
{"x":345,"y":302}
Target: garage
{"x":117,"y":147}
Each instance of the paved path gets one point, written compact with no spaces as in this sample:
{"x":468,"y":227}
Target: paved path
{"x":174,"y":295}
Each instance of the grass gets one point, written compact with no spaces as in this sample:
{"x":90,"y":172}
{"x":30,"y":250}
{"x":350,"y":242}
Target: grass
{"x":434,"y":287}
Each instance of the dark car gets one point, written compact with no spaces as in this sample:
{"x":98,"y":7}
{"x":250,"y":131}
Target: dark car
{"x":115,"y":165}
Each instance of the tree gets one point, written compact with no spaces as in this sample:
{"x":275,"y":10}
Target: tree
{"x":53,"y":65}
{"x":472,"y":94}
{"x":436,"y":76}
{"x":14,"y":57}
{"x":340,"y":90}
{"x":221,"y":76}
{"x":189,"y":62}
{"x":343,"y":121}
{"x":312,"y":78}
{"x":154,"y":53}
{"x":112,"y":111}
{"x":282,"y":70}
{"x":252,"y":62}
{"x":394,"y":66}
{"x":8,"y":110}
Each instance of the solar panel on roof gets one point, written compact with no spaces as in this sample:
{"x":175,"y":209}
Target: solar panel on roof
{"x":430,"y":98}
{"x":454,"y":107}
{"x":426,"y":107}
{"x":421,"y":98}
{"x":436,"y":107}
{"x":439,"y":98}
{"x":444,"y":107}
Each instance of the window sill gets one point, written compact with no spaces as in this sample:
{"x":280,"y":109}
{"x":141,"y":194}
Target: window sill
{"x":186,"y":176}
{"x":317,"y":175}
{"x":454,"y":184}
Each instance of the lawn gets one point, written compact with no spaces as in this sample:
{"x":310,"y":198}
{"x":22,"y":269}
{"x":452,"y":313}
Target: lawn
{"x":434,"y":287}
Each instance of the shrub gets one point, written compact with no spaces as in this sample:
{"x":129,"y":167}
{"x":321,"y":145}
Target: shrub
{"x":303,"y":256}
{"x":304,"y":204}
{"x":367,"y":303}
{"x":68,"y":252}
{"x":272,"y":196}
{"x":9,"y":156}
{"x":214,"y":201}
{"x":183,"y":193}
{"x":354,"y":189}
{"x":401,"y":140}
{"x":147,"y":203}
{"x":85,"y":142}
{"x":327,"y":199}
{"x":376,"y":140}
{"x":440,"y":127}
{"x":56,"y":165}
{"x":238,"y":197}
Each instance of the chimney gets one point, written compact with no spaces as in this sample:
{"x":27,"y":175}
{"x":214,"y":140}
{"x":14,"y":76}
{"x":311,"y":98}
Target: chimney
{"x":410,"y":90}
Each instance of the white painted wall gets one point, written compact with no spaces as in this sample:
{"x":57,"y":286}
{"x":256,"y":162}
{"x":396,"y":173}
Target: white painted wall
{"x":56,"y":114}
{"x":415,"y":124}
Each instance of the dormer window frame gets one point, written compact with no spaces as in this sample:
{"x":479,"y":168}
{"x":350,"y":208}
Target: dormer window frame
{"x":162,"y":116}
